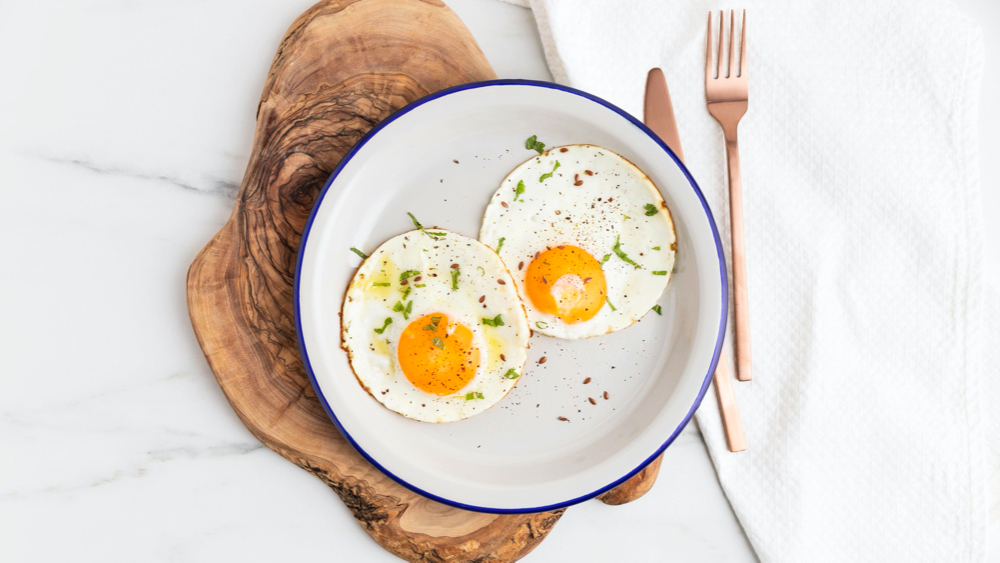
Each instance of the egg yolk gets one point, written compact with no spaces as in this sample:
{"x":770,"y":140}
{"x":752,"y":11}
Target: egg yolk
{"x":566,"y":281}
{"x":437,"y":355}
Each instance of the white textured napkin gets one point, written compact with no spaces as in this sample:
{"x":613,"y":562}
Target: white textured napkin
{"x":864,"y":424}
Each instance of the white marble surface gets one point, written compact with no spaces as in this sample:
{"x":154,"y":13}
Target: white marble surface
{"x":124,"y":131}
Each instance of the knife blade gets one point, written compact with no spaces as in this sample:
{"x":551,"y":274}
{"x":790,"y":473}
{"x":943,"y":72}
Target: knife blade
{"x":658,"y":114}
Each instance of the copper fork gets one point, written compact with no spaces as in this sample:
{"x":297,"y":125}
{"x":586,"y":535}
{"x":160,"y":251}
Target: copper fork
{"x":726,"y":95}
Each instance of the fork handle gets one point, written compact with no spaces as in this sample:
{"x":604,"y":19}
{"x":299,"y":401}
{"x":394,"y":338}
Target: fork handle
{"x":740,"y":300}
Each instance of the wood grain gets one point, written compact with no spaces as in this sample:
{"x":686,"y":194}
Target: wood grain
{"x":343,"y":66}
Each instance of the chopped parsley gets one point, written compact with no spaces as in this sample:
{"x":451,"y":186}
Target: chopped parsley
{"x":511,"y":374}
{"x":388,"y":321}
{"x":500,"y":244}
{"x":399,"y":308}
{"x":542,"y":324}
{"x":519,"y":189}
{"x":621,"y":253}
{"x":359,"y":253}
{"x":433,"y":324}
{"x":473,"y":395}
{"x":420,"y":285}
{"x":659,"y":272}
{"x":656,"y":248}
{"x":658,"y":310}
{"x":422,"y":229}
{"x":454,"y":278}
{"x":438,"y":342}
{"x":610,"y":304}
{"x":381,"y":284}
{"x":548,"y":175}
{"x":406,"y":291}
{"x":495,"y":321}
{"x":482,"y":272}
{"x":605,"y":259}
{"x":626,"y":216}
{"x":650,"y":210}
{"x":408,"y":274}
{"x":533,"y":144}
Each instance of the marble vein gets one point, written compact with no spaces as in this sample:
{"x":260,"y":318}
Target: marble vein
{"x":219,"y":187}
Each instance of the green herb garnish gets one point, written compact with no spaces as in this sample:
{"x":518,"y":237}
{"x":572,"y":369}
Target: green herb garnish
{"x":420,"y":285}
{"x":399,"y":308}
{"x":438,"y":342}
{"x":482,"y":272}
{"x":659,"y":272}
{"x":605,"y":259}
{"x":359,"y":253}
{"x":548,"y":175}
{"x":500,"y":244}
{"x":656,"y":248}
{"x":542,"y":324}
{"x":381,"y":284}
{"x":621,"y":253}
{"x":388,"y":321}
{"x":473,"y":395}
{"x":454,"y":278}
{"x":533,"y":144}
{"x":406,"y":291}
{"x":519,"y":189}
{"x":408,"y":274}
{"x":610,"y":305}
{"x":495,"y":321}
{"x":422,"y":229}
{"x":650,"y":210}
{"x":511,"y":374}
{"x":626,"y":216}
{"x":658,"y":310}
{"x":433,"y":324}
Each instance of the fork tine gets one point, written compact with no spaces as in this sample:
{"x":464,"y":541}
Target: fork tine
{"x":732,"y":29}
{"x":722,"y":22}
{"x":743,"y":46}
{"x":708,"y":49}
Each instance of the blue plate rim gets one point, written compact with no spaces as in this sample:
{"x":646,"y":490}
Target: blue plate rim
{"x":471,"y":86}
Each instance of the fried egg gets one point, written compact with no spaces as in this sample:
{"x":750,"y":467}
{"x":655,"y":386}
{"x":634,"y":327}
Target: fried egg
{"x":433,"y":326}
{"x":587,"y":237}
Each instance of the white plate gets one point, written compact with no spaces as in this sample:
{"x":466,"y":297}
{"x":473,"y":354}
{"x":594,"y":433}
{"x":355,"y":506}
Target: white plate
{"x":516,"y":457}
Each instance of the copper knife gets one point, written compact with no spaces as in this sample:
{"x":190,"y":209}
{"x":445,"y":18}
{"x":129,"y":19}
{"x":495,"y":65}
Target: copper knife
{"x":658,"y":114}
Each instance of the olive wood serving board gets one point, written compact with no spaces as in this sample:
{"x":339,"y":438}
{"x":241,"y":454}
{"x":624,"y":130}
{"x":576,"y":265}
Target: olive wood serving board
{"x":342,"y":66}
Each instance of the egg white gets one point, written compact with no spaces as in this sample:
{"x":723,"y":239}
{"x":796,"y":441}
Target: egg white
{"x":607,"y":205}
{"x":374,"y":356}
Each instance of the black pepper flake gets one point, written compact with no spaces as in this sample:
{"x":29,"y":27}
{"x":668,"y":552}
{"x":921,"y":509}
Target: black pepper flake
{"x":592,"y":401}
{"x":483,"y":298}
{"x":542,"y":360}
{"x":605,"y":395}
{"x":564,"y":419}
{"x":501,"y":282}
{"x":520,"y":265}
{"x":586,"y":381}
